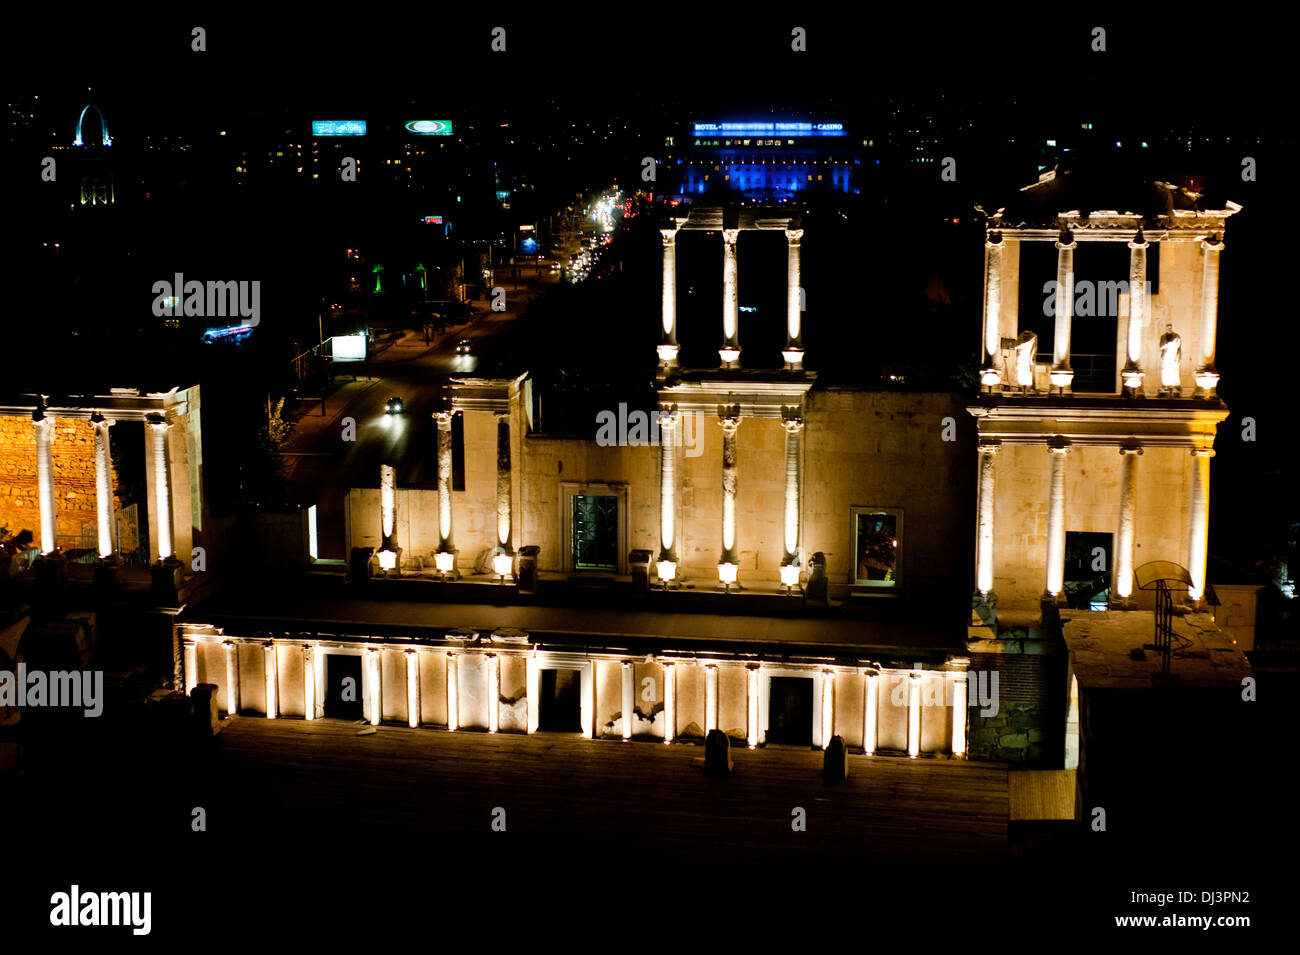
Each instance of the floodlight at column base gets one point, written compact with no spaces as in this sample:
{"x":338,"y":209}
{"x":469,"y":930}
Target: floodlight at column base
{"x":1061,"y":379}
{"x":387,"y":560}
{"x":990,"y":377}
{"x":667,"y":570}
{"x":667,"y":353}
{"x":444,"y":561}
{"x":729,"y":356}
{"x":793,"y":357}
{"x":503,"y":565}
{"x":790,"y":575}
{"x":727,"y":573}
{"x":1133,"y":379}
{"x":1207,"y":380}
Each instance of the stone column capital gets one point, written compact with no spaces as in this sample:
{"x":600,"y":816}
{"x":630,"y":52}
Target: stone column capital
{"x":1058,"y":445}
{"x":993,"y":239}
{"x":444,"y":419}
{"x":1139,"y":241}
{"x":668,"y":415}
{"x":729,"y":236}
{"x":1065,"y":241}
{"x":669,"y":236}
{"x":990,"y":445}
{"x":729,"y":418}
{"x":1212,"y":244}
{"x":792,"y":425}
{"x":793,"y":236}
{"x":158,"y":422}
{"x":1202,"y":452}
{"x":1131,"y":446}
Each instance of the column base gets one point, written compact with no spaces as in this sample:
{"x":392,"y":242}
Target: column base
{"x":730,"y":357}
{"x":793,"y":359}
{"x":668,"y":354}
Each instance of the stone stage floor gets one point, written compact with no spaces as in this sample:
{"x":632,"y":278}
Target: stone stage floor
{"x":425,"y":791}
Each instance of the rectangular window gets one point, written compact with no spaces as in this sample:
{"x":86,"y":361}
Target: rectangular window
{"x":595,"y":532}
{"x":877,"y":536}
{"x":1088,"y":566}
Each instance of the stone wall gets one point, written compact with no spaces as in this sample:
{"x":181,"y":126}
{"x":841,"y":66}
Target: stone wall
{"x":1029,"y":725}
{"x":74,"y":479}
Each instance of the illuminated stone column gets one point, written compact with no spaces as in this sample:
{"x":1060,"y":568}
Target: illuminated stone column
{"x":793,"y":425}
{"x":232,"y":678}
{"x":870,"y":714}
{"x":667,"y":564}
{"x":959,"y":715}
{"x":447,"y":562}
{"x":1058,"y":449}
{"x":387,"y":511}
{"x":103,"y":485}
{"x":588,"y":686}
{"x":158,"y":428}
{"x":730,"y":350}
{"x":1198,"y":534}
{"x":914,"y":715}
{"x":793,"y":352}
{"x":45,"y":479}
{"x":668,"y":342}
{"x":629,"y":698}
{"x":828,"y":708}
{"x":453,"y":694}
{"x":1206,"y":376}
{"x":503,"y":562}
{"x":710,"y":697}
{"x":1126,"y":538}
{"x":271,"y":666}
{"x":533,"y":675}
{"x":751,"y":698}
{"x":374,"y":680}
{"x":412,"y":688}
{"x":993,"y":245}
{"x":1061,"y":374}
{"x":494,"y":692}
{"x":191,"y":665}
{"x":729,"y":419}
{"x":1137,"y":311}
{"x":670,"y":701}
{"x":984,"y":519}
{"x":308,"y":681}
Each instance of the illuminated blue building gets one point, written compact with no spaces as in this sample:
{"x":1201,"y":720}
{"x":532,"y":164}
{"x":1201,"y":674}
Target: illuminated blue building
{"x":767,"y":161}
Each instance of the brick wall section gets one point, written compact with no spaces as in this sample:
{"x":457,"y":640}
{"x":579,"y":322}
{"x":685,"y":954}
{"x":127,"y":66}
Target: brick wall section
{"x":74,"y":477}
{"x":1029,"y":727}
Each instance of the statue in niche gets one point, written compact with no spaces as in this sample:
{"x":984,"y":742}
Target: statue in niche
{"x":1171,"y":347}
{"x":1025,"y":351}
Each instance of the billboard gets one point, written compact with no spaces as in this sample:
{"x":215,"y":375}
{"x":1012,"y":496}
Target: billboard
{"x":349,"y":347}
{"x":338,"y":127}
{"x":429,"y":127}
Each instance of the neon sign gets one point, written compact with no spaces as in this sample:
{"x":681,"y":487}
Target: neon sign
{"x":338,"y":127}
{"x":429,"y":127}
{"x":769,"y":129}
